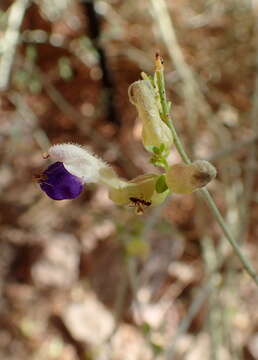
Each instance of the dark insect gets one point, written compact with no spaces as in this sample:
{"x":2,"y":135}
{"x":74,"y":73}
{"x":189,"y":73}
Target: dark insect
{"x":139,"y":204}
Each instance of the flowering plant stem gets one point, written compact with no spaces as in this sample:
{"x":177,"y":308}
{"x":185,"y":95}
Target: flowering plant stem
{"x":204,"y":192}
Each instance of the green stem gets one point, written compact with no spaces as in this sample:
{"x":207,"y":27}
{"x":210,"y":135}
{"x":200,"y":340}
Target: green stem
{"x":206,"y":195}
{"x":204,"y":192}
{"x":162,"y":94}
{"x":178,"y":144}
{"x":246,"y":264}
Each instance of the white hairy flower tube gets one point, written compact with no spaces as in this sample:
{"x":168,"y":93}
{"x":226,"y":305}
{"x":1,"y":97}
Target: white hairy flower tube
{"x":80,"y":162}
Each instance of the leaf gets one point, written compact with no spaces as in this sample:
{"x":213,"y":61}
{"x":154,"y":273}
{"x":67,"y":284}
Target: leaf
{"x":162,"y":148}
{"x":146,"y":328}
{"x":161,"y":185}
{"x":157,"y":349}
{"x":156,"y":150}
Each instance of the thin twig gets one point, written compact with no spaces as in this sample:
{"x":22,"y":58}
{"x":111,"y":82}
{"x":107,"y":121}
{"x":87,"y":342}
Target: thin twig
{"x":251,"y":170}
{"x":28,"y":115}
{"x":187,"y":320}
{"x":206,"y":195}
{"x":210,"y":256}
{"x":210,"y":283}
{"x":10,"y":41}
{"x":119,"y":306}
{"x":68,"y":109}
{"x":94,"y":29}
{"x":194,"y":98}
{"x":232,"y":149}
{"x":192,"y":93}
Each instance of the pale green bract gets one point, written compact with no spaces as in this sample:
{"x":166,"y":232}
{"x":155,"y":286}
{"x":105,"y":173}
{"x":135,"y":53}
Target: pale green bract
{"x":154,"y":132}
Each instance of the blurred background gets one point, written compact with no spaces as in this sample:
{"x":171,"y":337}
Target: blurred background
{"x":86,"y":279}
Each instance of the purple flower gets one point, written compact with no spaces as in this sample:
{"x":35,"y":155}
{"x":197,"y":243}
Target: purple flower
{"x":59,"y":184}
{"x":73,"y":167}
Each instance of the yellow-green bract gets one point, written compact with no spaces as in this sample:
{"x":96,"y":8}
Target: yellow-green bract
{"x":154,"y":132}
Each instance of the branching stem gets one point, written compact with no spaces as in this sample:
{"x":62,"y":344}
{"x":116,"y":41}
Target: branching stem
{"x":204,"y":192}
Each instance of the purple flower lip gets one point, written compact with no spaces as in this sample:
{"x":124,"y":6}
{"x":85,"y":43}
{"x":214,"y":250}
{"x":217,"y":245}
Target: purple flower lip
{"x":58,"y":183}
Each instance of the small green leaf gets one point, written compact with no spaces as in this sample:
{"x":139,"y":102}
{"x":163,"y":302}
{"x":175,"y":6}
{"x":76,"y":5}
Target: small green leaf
{"x":162,"y":148}
{"x":156,"y":150}
{"x":146,"y":328}
{"x":160,"y":163}
{"x":159,"y":150}
{"x":153,"y":160}
{"x":161,"y":185}
{"x":157,"y":349}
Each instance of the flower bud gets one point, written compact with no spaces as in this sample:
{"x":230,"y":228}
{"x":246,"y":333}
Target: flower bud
{"x":155,"y":131}
{"x":184,"y":179}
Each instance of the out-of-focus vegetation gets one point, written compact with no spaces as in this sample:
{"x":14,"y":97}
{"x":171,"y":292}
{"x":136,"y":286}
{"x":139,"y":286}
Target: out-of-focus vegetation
{"x":86,"y":279}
